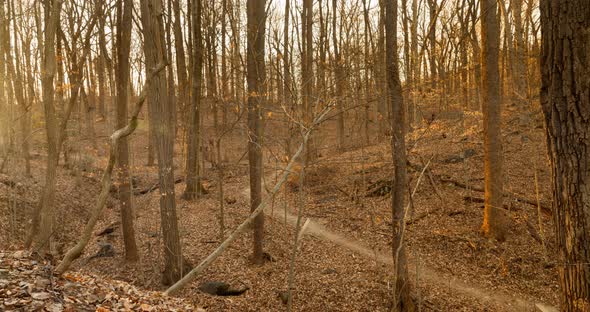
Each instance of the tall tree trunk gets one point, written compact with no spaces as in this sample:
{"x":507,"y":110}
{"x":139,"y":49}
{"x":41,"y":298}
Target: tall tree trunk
{"x":181,"y":70}
{"x":287,"y":80}
{"x":17,"y":82}
{"x":507,"y":63}
{"x":256,"y":77}
{"x":123,"y":36}
{"x":162,"y":117}
{"x":307,"y":71}
{"x":43,"y":218}
{"x":476,"y":55}
{"x":368,"y":42}
{"x":407,"y":65}
{"x":100,"y":65}
{"x":519,"y":62}
{"x":4,"y":118}
{"x":340,"y":77}
{"x":211,"y":69}
{"x":224,"y":78}
{"x":402,"y":300}
{"x":565,"y":100}
{"x":381,"y":73}
{"x":432,"y":42}
{"x":171,"y":85}
{"x":463,"y":48}
{"x":493,"y":219}
{"x":321,"y":63}
{"x":193,"y":182}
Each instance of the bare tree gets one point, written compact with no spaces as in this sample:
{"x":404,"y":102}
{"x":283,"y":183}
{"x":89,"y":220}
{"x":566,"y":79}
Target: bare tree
{"x":401,"y":295}
{"x":256,"y":79}
{"x":193,"y":182}
{"x":43,"y":216}
{"x":161,"y":117}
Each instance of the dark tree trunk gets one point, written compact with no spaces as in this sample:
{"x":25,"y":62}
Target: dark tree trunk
{"x":565,"y":98}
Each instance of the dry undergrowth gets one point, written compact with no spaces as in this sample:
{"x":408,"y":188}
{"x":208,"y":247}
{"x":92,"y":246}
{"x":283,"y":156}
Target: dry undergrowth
{"x":453,"y":267}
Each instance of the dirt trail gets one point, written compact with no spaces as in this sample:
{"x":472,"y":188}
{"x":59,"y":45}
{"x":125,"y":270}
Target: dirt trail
{"x":425,"y":274}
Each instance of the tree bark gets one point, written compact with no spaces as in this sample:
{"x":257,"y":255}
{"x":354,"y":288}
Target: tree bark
{"x":493,"y":220}
{"x":123,"y":36}
{"x":339,"y":75}
{"x":519,"y":65}
{"x":307,"y":71}
{"x":256,"y":79}
{"x":17,"y":82}
{"x":162,"y":117}
{"x":432,"y":42}
{"x":193,"y":182}
{"x":565,"y":99}
{"x":100,"y":64}
{"x":43,"y":218}
{"x":401,"y":300}
{"x":181,"y":70}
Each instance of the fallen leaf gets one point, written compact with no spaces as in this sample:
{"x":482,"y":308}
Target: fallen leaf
{"x":40,"y":296}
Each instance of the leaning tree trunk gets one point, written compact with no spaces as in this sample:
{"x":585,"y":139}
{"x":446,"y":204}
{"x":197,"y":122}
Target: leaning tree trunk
{"x":565,"y":98}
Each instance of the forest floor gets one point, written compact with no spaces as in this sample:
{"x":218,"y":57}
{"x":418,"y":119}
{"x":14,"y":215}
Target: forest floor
{"x":343,"y":261}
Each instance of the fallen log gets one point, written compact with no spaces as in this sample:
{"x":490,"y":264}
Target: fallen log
{"x":154,"y":187}
{"x":544,"y":206}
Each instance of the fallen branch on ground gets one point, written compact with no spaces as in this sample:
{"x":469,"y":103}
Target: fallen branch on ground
{"x":76,"y":251}
{"x":242,"y":227}
{"x":154,"y":187}
{"x":544,"y":207}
